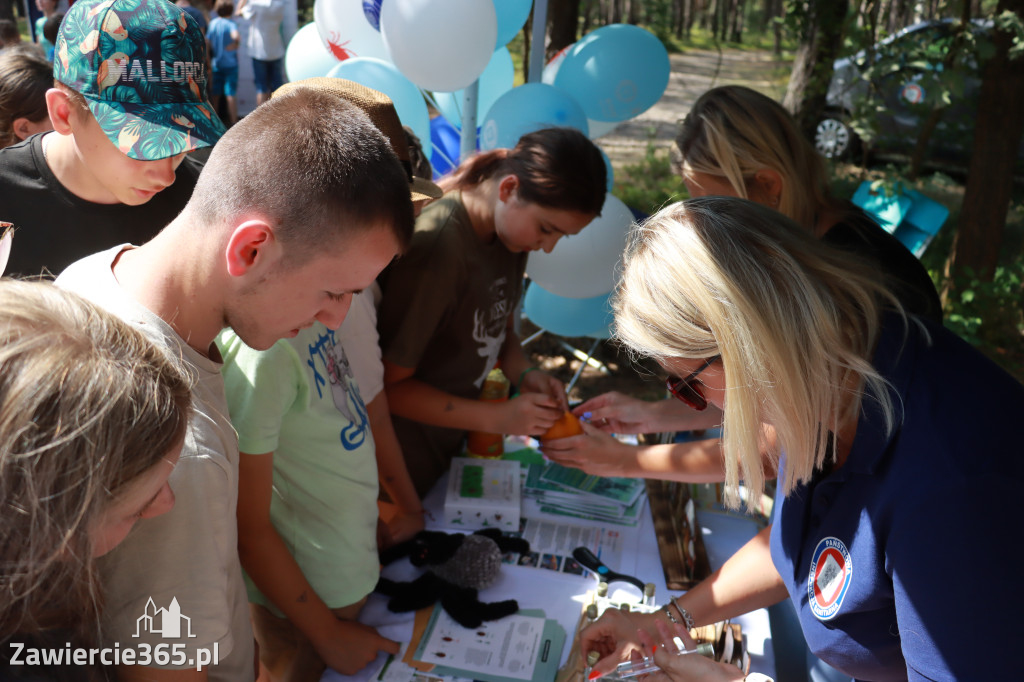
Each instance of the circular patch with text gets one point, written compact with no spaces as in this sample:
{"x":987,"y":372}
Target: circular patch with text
{"x":912,"y":92}
{"x":829,"y":577}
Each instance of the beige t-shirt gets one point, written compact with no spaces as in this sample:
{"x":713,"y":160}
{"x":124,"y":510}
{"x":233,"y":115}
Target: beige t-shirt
{"x":186,"y":561}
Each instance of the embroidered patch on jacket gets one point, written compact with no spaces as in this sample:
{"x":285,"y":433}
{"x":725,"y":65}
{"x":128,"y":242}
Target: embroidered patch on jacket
{"x":829,"y":577}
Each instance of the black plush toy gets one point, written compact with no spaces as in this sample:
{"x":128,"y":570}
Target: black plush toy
{"x":457,"y":566}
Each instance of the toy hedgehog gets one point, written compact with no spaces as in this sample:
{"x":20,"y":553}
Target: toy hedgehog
{"x":457,"y":567}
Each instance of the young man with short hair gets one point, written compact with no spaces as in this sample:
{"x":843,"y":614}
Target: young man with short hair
{"x":300,"y":205}
{"x":128,"y":104}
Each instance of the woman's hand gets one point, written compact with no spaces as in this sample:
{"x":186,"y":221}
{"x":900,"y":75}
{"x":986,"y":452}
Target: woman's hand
{"x":614,"y":635}
{"x":595,"y":452}
{"x":528,"y":414}
{"x":687,"y":668}
{"x":614,"y":412}
{"x":542,"y":382}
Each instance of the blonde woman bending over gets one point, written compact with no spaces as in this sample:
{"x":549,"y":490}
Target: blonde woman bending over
{"x":92,"y":419}
{"x":897,"y":446}
{"x":737,"y":142}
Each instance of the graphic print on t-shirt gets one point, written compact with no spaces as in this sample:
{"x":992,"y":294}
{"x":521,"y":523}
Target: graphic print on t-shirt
{"x":326,"y":357}
{"x":829,"y":577}
{"x":489,"y":326}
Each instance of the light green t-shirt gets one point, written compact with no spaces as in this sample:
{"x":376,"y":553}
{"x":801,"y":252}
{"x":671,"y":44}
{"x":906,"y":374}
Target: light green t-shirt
{"x":300,"y":401}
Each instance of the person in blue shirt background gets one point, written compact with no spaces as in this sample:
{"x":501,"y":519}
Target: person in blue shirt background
{"x":897,"y":448}
{"x":222,"y":37}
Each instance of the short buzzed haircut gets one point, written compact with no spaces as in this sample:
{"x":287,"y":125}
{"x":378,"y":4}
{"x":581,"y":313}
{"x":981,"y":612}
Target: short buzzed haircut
{"x":313,"y":165}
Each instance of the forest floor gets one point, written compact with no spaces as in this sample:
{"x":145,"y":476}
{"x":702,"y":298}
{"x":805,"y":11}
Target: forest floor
{"x":693,"y":72}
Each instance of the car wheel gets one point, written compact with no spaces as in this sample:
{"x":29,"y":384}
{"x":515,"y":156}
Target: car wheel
{"x":833,"y":138}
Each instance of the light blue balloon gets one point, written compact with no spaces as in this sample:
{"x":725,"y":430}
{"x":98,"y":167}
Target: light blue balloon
{"x":380,"y":75}
{"x":616,"y":72}
{"x":495,"y":81}
{"x":307,"y":56}
{"x":572,"y":317}
{"x":512,"y":15}
{"x":526,"y":108}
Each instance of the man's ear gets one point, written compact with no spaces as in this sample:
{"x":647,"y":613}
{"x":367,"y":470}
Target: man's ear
{"x":508,"y":185}
{"x":59,"y":107}
{"x":252,"y":244}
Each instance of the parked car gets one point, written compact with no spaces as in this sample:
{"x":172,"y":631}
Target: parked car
{"x":890,"y":95}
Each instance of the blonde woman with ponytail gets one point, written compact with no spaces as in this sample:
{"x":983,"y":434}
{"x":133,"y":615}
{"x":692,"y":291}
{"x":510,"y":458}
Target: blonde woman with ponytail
{"x":895,"y":444}
{"x":445,"y":318}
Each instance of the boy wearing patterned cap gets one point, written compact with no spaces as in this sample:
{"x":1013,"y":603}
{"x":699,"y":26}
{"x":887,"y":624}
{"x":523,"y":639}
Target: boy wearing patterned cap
{"x":128,"y":104}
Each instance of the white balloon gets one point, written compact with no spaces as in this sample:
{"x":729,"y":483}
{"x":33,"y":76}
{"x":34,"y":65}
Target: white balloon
{"x":306,"y":56}
{"x":587,"y":264}
{"x":551,"y":68}
{"x":345,"y":30}
{"x":601,"y":128}
{"x":440,"y":45}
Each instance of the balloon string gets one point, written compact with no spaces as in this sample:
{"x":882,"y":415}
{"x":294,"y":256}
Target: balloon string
{"x":433,"y":101}
{"x":444,"y":156}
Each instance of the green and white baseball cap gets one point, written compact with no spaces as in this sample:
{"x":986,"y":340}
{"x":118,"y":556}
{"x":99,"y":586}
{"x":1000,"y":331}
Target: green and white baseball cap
{"x":141,"y":66}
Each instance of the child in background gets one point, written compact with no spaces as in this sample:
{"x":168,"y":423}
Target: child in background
{"x":51,"y":27}
{"x":48,"y":8}
{"x":222,"y":37}
{"x":9,"y":35}
{"x":24,"y":79}
{"x":446,"y":314}
{"x":87,"y":442}
{"x":308,"y":476}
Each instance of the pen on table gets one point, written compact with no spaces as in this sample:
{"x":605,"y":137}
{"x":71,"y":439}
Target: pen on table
{"x":630,"y":669}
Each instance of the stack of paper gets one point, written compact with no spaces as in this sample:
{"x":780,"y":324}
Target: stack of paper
{"x":563,"y":490}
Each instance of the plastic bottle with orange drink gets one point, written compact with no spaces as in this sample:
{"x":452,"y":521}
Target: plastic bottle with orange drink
{"x":490,"y":445}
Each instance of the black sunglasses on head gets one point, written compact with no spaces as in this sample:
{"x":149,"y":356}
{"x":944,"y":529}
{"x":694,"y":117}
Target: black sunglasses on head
{"x":688,"y":390}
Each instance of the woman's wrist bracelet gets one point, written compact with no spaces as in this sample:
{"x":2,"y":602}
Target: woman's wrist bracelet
{"x":668,"y":613}
{"x":687,"y":617}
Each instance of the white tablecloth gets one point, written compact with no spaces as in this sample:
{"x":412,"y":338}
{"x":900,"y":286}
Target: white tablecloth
{"x":561,"y":595}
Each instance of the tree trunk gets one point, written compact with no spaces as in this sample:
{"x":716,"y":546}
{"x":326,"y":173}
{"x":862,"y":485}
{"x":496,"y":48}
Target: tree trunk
{"x":588,"y":10}
{"x":997,"y":134}
{"x":737,"y":21}
{"x":616,"y":13}
{"x":924,"y":136}
{"x":634,"y":12}
{"x":527,"y":34}
{"x":820,"y":42}
{"x":563,"y":16}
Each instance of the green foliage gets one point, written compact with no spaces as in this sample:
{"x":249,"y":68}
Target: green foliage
{"x":938,"y":62}
{"x":1012,"y":23}
{"x":651,"y":183}
{"x":989,"y":315}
